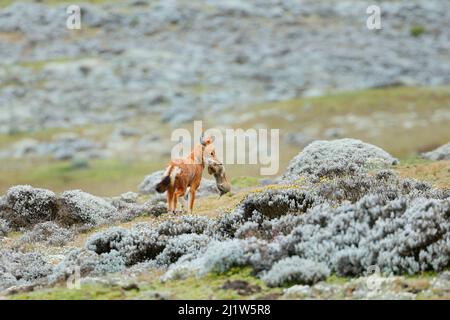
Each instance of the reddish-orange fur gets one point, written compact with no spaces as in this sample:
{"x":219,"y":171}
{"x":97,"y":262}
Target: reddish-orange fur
{"x":187,"y":173}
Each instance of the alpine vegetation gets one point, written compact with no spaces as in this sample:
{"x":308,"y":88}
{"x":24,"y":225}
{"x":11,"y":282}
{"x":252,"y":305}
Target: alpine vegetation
{"x":181,"y":245}
{"x":274,"y":203}
{"x":400,"y":236}
{"x":18,"y":268}
{"x":349,"y":224}
{"x":134,"y":246}
{"x":338,"y":217}
{"x":183,"y":225}
{"x":48,"y":233}
{"x":87,"y":262}
{"x":337,"y":157}
{"x":295,"y":270}
{"x":4,"y":227}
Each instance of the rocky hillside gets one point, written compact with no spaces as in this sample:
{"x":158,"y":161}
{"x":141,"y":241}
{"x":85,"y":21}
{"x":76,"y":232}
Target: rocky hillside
{"x":176,"y":59}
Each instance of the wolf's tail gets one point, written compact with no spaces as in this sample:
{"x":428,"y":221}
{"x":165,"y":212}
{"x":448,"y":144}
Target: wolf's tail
{"x":163,"y":185}
{"x":168,"y":179}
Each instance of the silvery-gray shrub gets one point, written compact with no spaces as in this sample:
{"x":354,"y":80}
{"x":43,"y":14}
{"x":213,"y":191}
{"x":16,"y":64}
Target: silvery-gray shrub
{"x":221,"y":256}
{"x":248,"y":229}
{"x":7,"y":280}
{"x":295,"y":270}
{"x":136,"y":245}
{"x":181,"y":245}
{"x":25,"y":268}
{"x":400,"y":236}
{"x":110,"y":262}
{"x":4,"y":227}
{"x":77,"y":260}
{"x":226,"y":225}
{"x":274,"y":203}
{"x":48,"y":233}
{"x":184,"y":224}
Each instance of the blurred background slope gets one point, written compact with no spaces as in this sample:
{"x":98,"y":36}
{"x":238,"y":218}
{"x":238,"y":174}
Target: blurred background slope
{"x":94,"y":108}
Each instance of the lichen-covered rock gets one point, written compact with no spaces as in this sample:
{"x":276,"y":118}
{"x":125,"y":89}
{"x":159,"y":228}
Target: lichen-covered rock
{"x":336,"y":157}
{"x":147,"y":186}
{"x":48,"y":233}
{"x":295,"y":270}
{"x":24,"y":206}
{"x":76,"y":206}
{"x":441,"y":153}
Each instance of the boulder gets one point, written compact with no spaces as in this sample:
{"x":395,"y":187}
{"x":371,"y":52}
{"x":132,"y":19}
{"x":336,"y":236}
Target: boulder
{"x":76,"y":206}
{"x":441,"y":153}
{"x":147,"y":186}
{"x":337,"y":157}
{"x":24,"y":205}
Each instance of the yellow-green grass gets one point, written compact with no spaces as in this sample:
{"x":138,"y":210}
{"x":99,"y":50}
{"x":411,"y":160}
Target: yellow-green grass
{"x":205,"y":288}
{"x":244,"y":181}
{"x":6,"y":140}
{"x":395,"y":103}
{"x":101,"y":177}
{"x":113,"y":177}
{"x":397,"y":140}
{"x":435,"y":172}
{"x":211,"y":286}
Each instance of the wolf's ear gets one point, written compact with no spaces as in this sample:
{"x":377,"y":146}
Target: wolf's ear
{"x":202,"y":140}
{"x":206,"y":140}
